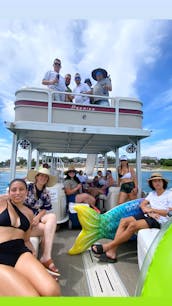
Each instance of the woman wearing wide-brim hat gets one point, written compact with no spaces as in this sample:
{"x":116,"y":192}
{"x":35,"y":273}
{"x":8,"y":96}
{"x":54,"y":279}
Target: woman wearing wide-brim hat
{"x":73,"y":189}
{"x":44,"y":224}
{"x":153,"y":214}
{"x":102,"y":87}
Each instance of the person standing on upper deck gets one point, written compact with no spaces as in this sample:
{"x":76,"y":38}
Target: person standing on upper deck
{"x":55,"y":81}
{"x":69,"y":97}
{"x":102,"y":87}
{"x":81,"y":88}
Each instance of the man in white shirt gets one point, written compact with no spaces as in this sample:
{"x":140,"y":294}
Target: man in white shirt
{"x":81,"y":88}
{"x":55,"y":81}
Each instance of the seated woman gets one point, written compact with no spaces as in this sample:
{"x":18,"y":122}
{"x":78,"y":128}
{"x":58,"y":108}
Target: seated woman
{"x":73,"y":190}
{"x":44,"y":224}
{"x":21,"y":274}
{"x":155,"y":208}
{"x":127,"y":181}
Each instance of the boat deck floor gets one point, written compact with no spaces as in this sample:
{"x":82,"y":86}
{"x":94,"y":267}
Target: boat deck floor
{"x":83,"y":275}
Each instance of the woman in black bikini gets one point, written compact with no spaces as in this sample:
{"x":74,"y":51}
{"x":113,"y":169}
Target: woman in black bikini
{"x":21,"y":274}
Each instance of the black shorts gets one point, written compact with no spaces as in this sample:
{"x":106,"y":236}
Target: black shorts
{"x":127,"y":187}
{"x":10,"y":251}
{"x":152,"y":223}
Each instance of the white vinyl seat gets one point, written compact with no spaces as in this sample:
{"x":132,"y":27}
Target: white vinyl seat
{"x":35,"y":241}
{"x":111,"y":198}
{"x":145,"y":238}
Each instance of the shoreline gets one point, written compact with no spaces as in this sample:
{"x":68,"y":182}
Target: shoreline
{"x":18,"y":169}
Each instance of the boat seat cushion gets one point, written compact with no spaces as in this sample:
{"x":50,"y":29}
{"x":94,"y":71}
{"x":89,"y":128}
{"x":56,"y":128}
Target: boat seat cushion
{"x":35,"y":241}
{"x":112,"y":198}
{"x":145,"y":238}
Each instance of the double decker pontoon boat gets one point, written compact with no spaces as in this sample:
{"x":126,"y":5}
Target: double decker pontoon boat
{"x":50,"y":127}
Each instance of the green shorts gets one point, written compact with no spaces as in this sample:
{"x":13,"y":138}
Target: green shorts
{"x":127,"y":187}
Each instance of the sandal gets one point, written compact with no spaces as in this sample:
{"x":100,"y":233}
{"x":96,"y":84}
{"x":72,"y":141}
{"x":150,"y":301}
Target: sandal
{"x":99,"y":249}
{"x":104,"y":258}
{"x":50,"y":266}
{"x":97,"y":210}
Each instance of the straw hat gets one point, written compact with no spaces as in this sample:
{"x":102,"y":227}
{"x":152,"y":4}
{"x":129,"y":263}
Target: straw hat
{"x":71,"y":168}
{"x":33,"y":173}
{"x":157,"y":176}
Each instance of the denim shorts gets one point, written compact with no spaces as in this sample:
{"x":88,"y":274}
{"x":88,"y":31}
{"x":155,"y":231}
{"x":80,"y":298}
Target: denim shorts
{"x":71,"y":198}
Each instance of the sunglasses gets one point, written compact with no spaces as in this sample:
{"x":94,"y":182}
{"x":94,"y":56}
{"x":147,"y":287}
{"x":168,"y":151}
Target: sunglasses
{"x":57,"y":64}
{"x":77,"y":78}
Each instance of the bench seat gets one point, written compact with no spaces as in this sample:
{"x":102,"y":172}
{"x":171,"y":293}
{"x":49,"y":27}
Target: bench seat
{"x":145,"y":238}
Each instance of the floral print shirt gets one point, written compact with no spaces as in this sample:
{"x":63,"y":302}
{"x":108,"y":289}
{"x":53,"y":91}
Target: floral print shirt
{"x":35,"y":204}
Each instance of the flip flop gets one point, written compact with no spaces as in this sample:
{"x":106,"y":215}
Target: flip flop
{"x":104,"y":258}
{"x":97,"y":210}
{"x":50,"y":267}
{"x":99,"y":248}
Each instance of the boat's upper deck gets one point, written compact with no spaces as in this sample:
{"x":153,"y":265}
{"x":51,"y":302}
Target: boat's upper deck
{"x":39,"y":105}
{"x":57,"y":126}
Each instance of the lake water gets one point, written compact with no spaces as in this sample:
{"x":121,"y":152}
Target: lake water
{"x":4,"y":179}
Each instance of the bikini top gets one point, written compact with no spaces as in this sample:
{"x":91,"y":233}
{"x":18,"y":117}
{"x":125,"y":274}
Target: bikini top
{"x":6,"y":221}
{"x":127,"y":175}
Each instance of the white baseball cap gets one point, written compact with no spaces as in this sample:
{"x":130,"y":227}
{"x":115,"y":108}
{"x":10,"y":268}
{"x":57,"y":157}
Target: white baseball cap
{"x":123,"y":157}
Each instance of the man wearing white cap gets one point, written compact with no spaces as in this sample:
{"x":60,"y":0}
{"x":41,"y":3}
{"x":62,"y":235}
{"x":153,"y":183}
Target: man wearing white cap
{"x":81,"y":88}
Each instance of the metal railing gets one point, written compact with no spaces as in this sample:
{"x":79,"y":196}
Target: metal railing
{"x":114,"y":101}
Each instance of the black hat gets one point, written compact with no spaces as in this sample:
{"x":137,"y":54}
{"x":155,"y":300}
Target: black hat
{"x":88,"y":81}
{"x":101,"y":70}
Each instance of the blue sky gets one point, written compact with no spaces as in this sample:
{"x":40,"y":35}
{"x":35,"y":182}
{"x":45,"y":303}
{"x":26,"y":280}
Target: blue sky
{"x":137,"y":53}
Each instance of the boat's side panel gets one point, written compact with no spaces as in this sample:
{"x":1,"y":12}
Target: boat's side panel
{"x":83,"y":117}
{"x":77,"y":114}
{"x":31,"y":113}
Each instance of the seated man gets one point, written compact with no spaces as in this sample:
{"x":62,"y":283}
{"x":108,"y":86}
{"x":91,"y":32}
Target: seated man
{"x":155,"y":208}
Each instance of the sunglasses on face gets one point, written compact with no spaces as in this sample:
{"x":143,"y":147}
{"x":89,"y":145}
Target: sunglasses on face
{"x":57,"y":64}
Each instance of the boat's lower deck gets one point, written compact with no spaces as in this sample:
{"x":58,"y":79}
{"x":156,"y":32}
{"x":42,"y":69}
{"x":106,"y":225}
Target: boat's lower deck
{"x":83,"y":275}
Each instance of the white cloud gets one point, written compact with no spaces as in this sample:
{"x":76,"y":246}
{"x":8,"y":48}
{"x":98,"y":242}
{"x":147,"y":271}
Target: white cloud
{"x":160,"y":148}
{"x":5,"y":152}
{"x":27,"y":49}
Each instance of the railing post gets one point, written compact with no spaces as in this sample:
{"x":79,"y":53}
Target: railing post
{"x":105,"y":163}
{"x":37,"y":159}
{"x":138,"y":168}
{"x":117,"y":162}
{"x":116,"y":112}
{"x":13,"y":157}
{"x":29,"y":158}
{"x":50,"y":94}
